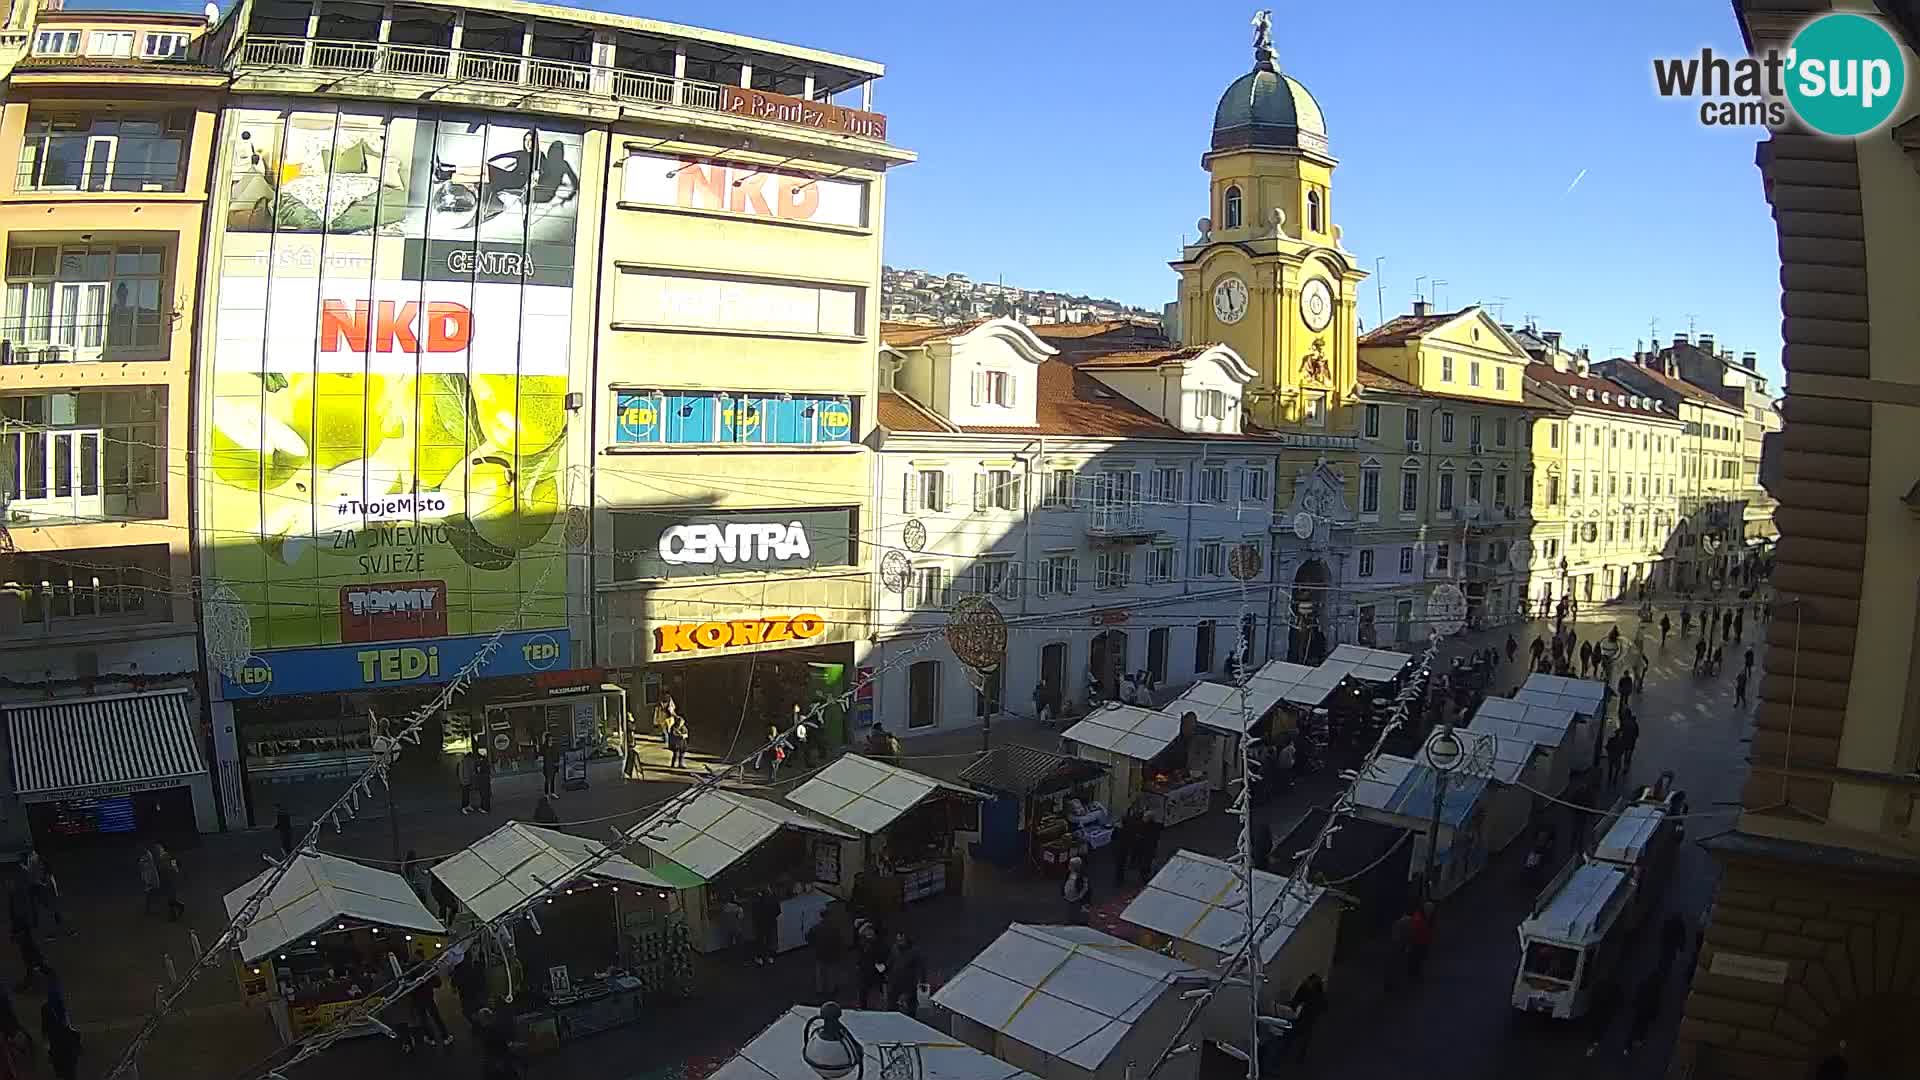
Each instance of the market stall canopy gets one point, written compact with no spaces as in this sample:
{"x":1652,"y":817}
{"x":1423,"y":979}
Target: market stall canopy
{"x":775,"y":1053}
{"x":1070,"y":992}
{"x":1629,"y":834}
{"x":718,"y":827}
{"x":1219,"y":706}
{"x":1500,"y":758}
{"x":120,"y":742}
{"x":321,"y":889}
{"x":868,"y":795}
{"x":1127,"y":730}
{"x":1512,"y":720}
{"x":518,"y":861}
{"x":1584,"y":696}
{"x":1369,"y":665}
{"x":1318,"y":685}
{"x":1024,"y":771}
{"x":1200,"y":899}
{"x":1405,"y":788}
{"x":1578,"y":911}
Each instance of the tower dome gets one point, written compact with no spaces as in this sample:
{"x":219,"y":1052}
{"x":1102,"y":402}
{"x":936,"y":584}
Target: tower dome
{"x":1266,"y":109}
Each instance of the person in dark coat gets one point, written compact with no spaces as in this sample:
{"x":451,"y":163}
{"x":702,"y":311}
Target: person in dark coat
{"x":1646,"y":1008}
{"x":63,"y":1041}
{"x":1740,"y":689}
{"x":766,"y":927}
{"x":1309,"y":1001}
{"x":424,"y":1011}
{"x":1673,"y":939}
{"x":470,"y":983}
{"x":1749,"y":663}
{"x":1600,"y":1014}
{"x":870,"y":954}
{"x":1125,"y":835}
{"x":543,"y":812}
{"x":1147,"y":846}
{"x":1586,"y":657}
{"x":483,"y":782}
{"x":499,"y":1053}
{"x":829,"y":956}
{"x":1699,"y":655}
{"x":1666,"y":628}
{"x":550,"y":765}
{"x":906,"y":970}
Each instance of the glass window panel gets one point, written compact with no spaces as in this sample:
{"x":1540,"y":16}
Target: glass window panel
{"x":89,"y":464}
{"x":637,"y":418}
{"x":20,"y":262}
{"x":84,"y":592}
{"x":690,"y":418}
{"x":98,"y":264}
{"x":832,"y":421}
{"x":115,"y":470}
{"x":790,"y":420}
{"x":62,"y":466}
{"x":743,"y":419}
{"x":45,"y":260}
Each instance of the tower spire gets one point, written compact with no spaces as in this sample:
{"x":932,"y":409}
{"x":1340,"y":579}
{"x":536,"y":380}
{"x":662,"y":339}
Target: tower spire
{"x":1263,"y":58}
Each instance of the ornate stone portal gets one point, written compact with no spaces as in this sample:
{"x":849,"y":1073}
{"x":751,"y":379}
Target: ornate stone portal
{"x":1313,"y":538}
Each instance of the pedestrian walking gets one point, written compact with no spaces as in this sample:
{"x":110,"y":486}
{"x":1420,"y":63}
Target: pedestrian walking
{"x":425,"y":1013}
{"x":1740,"y":689}
{"x":550,"y":766}
{"x":149,"y":879}
{"x":1537,"y":649}
{"x":1740,"y":625}
{"x":1686,"y":620}
{"x":283,"y":828}
{"x":773,"y":753}
{"x":1125,"y":836}
{"x":483,"y":781}
{"x":829,"y":956}
{"x":1629,"y":739}
{"x":1419,"y":940}
{"x":470,"y":985}
{"x":1666,"y":627}
{"x":766,"y":927}
{"x":1513,"y":648}
{"x":1146,"y":850}
{"x":45,"y":887}
{"x":1718,"y":653}
{"x":1646,"y":1009}
{"x":1077,"y":891}
{"x":63,"y":1040}
{"x":1626,"y":687}
{"x":469,"y":773}
{"x":1749,"y":660}
{"x":1586,"y":658}
{"x":906,"y":970}
{"x":803,"y":743}
{"x":677,"y":736}
{"x":1600,"y":1014}
{"x":169,"y":873}
{"x":1309,"y":1002}
{"x":1699,"y":655}
{"x":1615,"y":754}
{"x":870,"y":957}
{"x":544,"y":813}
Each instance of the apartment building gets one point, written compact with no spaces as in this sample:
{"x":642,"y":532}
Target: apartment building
{"x":109,"y":120}
{"x":1738,"y":381}
{"x":1096,"y":497}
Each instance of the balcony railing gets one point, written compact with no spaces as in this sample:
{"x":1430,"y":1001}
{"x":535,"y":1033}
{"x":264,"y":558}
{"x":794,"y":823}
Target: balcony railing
{"x":1118,"y":521}
{"x":497,"y":69}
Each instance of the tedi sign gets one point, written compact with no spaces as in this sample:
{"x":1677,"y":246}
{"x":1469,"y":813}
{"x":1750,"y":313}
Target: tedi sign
{"x":758,"y":542}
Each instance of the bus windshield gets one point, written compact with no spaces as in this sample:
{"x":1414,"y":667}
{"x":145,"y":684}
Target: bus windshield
{"x":1551,"y":961}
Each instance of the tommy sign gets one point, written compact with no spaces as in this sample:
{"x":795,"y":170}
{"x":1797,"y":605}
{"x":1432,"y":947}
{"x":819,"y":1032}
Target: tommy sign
{"x":653,"y":545}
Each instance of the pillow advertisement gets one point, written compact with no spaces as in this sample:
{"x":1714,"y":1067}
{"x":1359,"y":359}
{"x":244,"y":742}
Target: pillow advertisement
{"x":386,"y":435}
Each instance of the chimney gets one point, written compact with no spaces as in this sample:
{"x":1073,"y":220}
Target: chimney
{"x":1750,"y":359}
{"x":1584,"y":364}
{"x":1553,"y":339}
{"x":1706,"y":344}
{"x":1421,"y":307}
{"x":1679,"y":340}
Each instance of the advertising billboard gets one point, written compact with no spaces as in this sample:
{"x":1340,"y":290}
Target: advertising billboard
{"x":656,"y":544}
{"x":386,"y":438}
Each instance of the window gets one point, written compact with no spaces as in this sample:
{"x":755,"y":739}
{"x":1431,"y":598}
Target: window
{"x":930,"y":590}
{"x":1406,"y":560}
{"x":1059,"y":575}
{"x":1413,"y":425}
{"x":1166,"y":485}
{"x":57,"y":590}
{"x":1442,"y":557}
{"x":1213,"y":484}
{"x":1057,"y":489}
{"x":1409,"y":491}
{"x":997,"y":489}
{"x":1611,"y":485}
{"x":993,"y":388}
{"x":1253,"y":485}
{"x":1473,"y":432}
{"x":1497,"y":552}
{"x":1313,"y":409}
{"x":1371,"y":419}
{"x":1446,"y":369}
{"x":1576,"y":434}
{"x":1369,"y":489}
{"x":1500,"y":489}
{"x":86,"y":303}
{"x":1446,"y":491}
{"x":1553,"y":436}
{"x":1474,"y":485}
{"x":1366,"y":562}
{"x":926,"y":491}
{"x":1613,"y":439}
{"x":1211,"y":403}
{"x":1209,"y":560}
{"x":56,"y":43}
{"x":1473,"y":373}
{"x":996,"y":577}
{"x":1551,"y":548}
{"x":1113,"y":568}
{"x":83,"y":456}
{"x":161,"y":46}
{"x":1609,"y":532}
{"x":1117,"y":487}
{"x":1499,"y":377}
{"x":923,"y":694}
{"x":1446,"y":427}
{"x":1316,"y":217}
{"x":1160,"y":564}
{"x":1576,"y":484}
{"x":110,"y":43}
{"x":1500,"y":431}
{"x":731,"y":418}
{"x":1203,"y":647}
{"x":1230,"y":208}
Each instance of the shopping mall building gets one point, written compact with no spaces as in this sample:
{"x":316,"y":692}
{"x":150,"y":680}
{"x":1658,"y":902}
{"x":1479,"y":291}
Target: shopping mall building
{"x":537,"y":344}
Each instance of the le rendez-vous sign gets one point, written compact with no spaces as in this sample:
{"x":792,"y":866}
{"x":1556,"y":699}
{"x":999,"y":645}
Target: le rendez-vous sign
{"x":764,"y":105}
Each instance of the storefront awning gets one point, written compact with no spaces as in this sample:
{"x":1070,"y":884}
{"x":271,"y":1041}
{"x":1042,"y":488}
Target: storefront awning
{"x":517,"y":861}
{"x":717,"y":828}
{"x":1127,"y":730}
{"x":1201,"y":900}
{"x":867,"y":795}
{"x":320,"y":890}
{"x":104,"y":745}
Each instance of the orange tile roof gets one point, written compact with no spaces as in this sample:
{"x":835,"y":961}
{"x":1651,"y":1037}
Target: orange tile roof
{"x":1073,"y":339}
{"x":1139,"y":358}
{"x":1374,"y":379}
{"x":1403,"y":328}
{"x":909,"y":335}
{"x":897,"y":412}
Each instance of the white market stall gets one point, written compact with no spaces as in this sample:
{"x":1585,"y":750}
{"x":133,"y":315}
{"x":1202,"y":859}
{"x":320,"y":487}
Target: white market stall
{"x":1198,"y":903}
{"x":1401,"y":792}
{"x":1503,"y":763}
{"x":1367,"y":665}
{"x":1146,"y":758}
{"x":1223,"y":714}
{"x":1585,"y":698}
{"x":610,"y":940}
{"x":734,"y":845}
{"x":912,"y":829}
{"x":1554,"y":730}
{"x":775,"y":1054}
{"x":1072,"y":1003}
{"x":320,"y":943}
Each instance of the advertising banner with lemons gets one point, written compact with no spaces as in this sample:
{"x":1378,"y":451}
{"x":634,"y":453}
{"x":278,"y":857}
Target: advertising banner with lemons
{"x":386,"y":434}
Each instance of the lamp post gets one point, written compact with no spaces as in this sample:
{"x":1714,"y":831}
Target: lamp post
{"x":829,"y":1049}
{"x":1444,"y":754}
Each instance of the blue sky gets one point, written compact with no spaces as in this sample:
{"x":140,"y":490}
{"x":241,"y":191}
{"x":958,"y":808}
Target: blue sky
{"x":1060,"y":144}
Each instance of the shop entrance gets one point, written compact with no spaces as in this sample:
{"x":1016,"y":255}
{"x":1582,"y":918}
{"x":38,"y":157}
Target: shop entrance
{"x":1307,"y":639}
{"x":115,"y":821}
{"x":1053,"y":675}
{"x":1106,"y":661}
{"x":730,"y":702}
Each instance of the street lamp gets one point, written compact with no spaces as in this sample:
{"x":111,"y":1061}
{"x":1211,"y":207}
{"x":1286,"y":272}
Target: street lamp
{"x":828,"y":1048}
{"x":1444,"y":754}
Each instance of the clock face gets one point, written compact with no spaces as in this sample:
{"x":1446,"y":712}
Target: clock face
{"x":1230,"y":300}
{"x":1316,"y":304}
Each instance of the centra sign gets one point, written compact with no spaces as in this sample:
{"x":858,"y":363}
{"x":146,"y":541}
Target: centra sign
{"x":761,"y":541}
{"x":708,"y":636}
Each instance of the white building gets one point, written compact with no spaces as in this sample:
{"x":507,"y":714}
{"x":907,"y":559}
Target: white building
{"x":1096,"y":499}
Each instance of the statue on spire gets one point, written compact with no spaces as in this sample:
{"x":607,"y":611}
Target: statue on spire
{"x":1263,"y":41}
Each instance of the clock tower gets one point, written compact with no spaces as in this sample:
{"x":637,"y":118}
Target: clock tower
{"x":1268,"y":275}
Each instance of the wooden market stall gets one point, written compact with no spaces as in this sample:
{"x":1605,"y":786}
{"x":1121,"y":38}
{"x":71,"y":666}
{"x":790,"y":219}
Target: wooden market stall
{"x":733,"y":847}
{"x":912,"y":829}
{"x":1503,"y":763}
{"x":1073,"y":1003}
{"x":1145,"y":752}
{"x":1223,"y":714}
{"x":613,"y":939}
{"x":1045,"y":809}
{"x":775,"y":1054}
{"x":1586,"y":699}
{"x":1399,"y":791}
{"x":1549,"y":728}
{"x":321,"y":943}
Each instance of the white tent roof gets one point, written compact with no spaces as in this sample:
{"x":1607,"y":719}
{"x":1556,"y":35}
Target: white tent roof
{"x":1200,"y":899}
{"x":719,"y":827}
{"x":1578,"y":911}
{"x":1513,"y":719}
{"x":1376,"y":787}
{"x":775,"y":1053}
{"x":1218,"y":705}
{"x":1627,"y":837}
{"x":1070,"y":992}
{"x":1501,"y":758}
{"x":1583,"y":696}
{"x":517,"y":861}
{"x":1370,"y":665}
{"x":320,"y":889}
{"x":867,"y":795}
{"x":1127,"y":730}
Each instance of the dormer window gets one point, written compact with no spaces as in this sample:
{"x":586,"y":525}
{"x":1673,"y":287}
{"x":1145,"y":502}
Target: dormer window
{"x":1315,"y":214}
{"x":993,"y":388}
{"x":1213,"y":403}
{"x":1230,"y":209}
